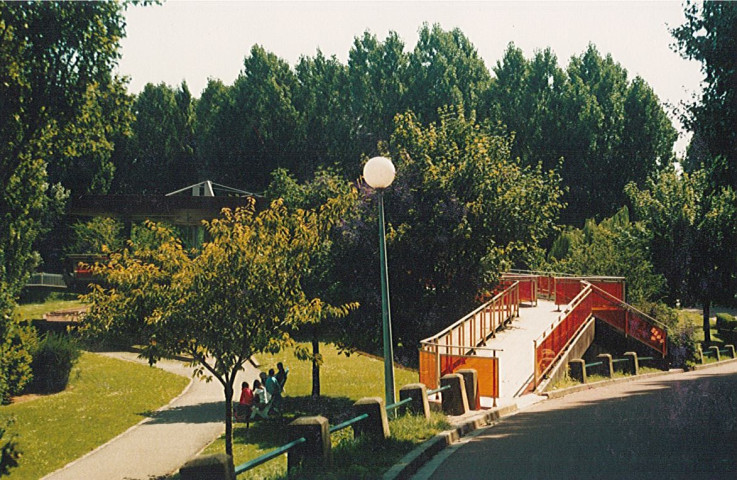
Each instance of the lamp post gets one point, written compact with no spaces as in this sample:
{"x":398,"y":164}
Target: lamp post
{"x":379,"y":174}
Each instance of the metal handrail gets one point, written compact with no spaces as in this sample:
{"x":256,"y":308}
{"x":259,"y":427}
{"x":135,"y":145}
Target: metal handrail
{"x":497,"y":297}
{"x":438,"y":390}
{"x":348,"y":423}
{"x":398,"y":404}
{"x":627,"y":306}
{"x":268,"y":456}
{"x":574,"y":303}
{"x":489,"y":349}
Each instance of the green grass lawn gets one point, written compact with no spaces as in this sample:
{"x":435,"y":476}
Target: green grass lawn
{"x":30,"y":311}
{"x":104,"y":398}
{"x":344,"y":380}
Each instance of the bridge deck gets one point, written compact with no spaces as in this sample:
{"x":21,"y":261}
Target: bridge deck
{"x":516,"y":361}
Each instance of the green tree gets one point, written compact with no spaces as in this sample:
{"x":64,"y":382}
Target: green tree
{"x":160,"y":156}
{"x":377,"y":75}
{"x":242,"y":294}
{"x":608,"y":130}
{"x":459,"y":212}
{"x":615,"y":246}
{"x":445,"y":69}
{"x":56,"y":60}
{"x":319,"y":277}
{"x":322,"y":98}
{"x":694,"y":227}
{"x":709,"y":36}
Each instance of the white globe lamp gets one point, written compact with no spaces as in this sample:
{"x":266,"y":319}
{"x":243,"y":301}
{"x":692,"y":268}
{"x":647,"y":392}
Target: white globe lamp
{"x":379,"y":172}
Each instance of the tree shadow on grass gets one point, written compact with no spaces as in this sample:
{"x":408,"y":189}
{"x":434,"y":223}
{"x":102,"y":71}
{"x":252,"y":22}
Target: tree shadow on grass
{"x":273,"y":432}
{"x":209,"y":412}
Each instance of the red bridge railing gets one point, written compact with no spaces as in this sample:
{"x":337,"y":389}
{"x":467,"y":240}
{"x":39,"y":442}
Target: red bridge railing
{"x":458,"y":345}
{"x":550,"y":345}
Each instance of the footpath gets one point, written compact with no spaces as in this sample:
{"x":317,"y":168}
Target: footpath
{"x":161,"y":444}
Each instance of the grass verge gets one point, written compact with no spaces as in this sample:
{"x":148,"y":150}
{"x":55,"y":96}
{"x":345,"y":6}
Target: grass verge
{"x":29,"y":311}
{"x":344,"y":380}
{"x":104,"y":398}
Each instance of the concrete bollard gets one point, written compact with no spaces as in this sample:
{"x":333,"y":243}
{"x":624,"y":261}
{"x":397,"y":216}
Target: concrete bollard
{"x":577,"y":369}
{"x":471,"y":382}
{"x":315,"y":454}
{"x":715,"y":349}
{"x":731,"y":350}
{"x":454,"y":401}
{"x":633,"y":366}
{"x":418,"y":393}
{"x":208,"y":467}
{"x":608,"y":367}
{"x":377,"y":423}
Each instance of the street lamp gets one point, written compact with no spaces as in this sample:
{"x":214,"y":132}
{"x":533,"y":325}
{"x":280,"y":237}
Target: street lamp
{"x":379,"y":174}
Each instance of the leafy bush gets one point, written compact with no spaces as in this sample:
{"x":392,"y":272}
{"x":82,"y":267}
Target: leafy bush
{"x":8,"y":453}
{"x":682,"y":343}
{"x":17,"y":342}
{"x":52,"y":362}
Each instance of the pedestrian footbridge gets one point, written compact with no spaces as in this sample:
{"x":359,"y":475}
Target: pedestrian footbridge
{"x":522,"y":338}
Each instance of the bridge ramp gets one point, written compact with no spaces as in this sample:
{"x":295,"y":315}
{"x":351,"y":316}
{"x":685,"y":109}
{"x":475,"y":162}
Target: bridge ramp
{"x":516,"y":361}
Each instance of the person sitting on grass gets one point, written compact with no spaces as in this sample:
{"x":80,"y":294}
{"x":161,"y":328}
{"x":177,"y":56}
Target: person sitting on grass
{"x":243,"y":411}
{"x":261,"y":404}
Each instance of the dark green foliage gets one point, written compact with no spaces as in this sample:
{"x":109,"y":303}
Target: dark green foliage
{"x":53,"y":360}
{"x":608,"y":130}
{"x":9,"y":453}
{"x":682,"y":344}
{"x":16,"y":346}
{"x":709,"y":36}
{"x":615,"y":246}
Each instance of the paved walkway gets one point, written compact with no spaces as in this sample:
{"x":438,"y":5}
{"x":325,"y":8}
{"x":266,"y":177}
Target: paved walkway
{"x":679,"y":426}
{"x":159,"y":445}
{"x":516,"y":361}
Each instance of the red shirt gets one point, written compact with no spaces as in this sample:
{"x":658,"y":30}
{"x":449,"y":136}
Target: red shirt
{"x":246,"y":396}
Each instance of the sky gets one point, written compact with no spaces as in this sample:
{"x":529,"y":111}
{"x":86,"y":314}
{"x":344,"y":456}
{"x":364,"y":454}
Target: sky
{"x":197,"y":40}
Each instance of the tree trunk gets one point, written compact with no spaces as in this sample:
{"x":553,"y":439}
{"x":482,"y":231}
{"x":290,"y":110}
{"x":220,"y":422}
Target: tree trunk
{"x":707,"y":324}
{"x":315,"y":366}
{"x":229,"y":419}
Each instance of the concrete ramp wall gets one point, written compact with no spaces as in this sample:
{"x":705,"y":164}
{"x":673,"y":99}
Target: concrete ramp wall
{"x":578,"y":346}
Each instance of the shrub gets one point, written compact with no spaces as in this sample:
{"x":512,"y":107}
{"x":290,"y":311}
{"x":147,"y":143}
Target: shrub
{"x":8,"y":453}
{"x":16,"y":345}
{"x":682,"y":343}
{"x":52,"y":362}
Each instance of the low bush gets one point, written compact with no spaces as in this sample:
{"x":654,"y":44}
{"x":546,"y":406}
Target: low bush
{"x":17,"y":342}
{"x":682,"y":342}
{"x":52,"y":362}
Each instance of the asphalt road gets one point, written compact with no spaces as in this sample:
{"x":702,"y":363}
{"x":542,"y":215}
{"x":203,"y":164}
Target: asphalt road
{"x":680,"y":426}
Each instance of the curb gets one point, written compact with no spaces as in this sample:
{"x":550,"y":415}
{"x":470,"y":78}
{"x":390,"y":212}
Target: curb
{"x":604,"y":383}
{"x":714,"y":364}
{"x":411,"y":463}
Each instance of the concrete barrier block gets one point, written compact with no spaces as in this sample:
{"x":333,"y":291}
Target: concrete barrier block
{"x":454,"y":400}
{"x":377,"y":423}
{"x":471,"y":382}
{"x":633,"y":366}
{"x":316,"y":453}
{"x":608,"y":365}
{"x":208,"y":467}
{"x":715,"y":349}
{"x":577,"y":369}
{"x":418,"y":393}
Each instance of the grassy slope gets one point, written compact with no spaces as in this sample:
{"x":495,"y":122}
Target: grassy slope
{"x":105,"y":397}
{"x":343,"y":380}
